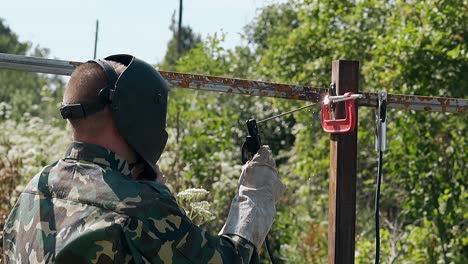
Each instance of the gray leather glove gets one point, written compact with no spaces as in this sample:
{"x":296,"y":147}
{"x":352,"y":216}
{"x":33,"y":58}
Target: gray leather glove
{"x":253,"y":208}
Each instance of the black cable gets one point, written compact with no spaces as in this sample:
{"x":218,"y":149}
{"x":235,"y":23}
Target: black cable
{"x":285,"y":113}
{"x":251,"y":146}
{"x":270,"y":252}
{"x":377,"y":201}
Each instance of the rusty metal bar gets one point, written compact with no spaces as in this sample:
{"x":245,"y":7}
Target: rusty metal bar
{"x":245,"y":87}
{"x":419,"y":103}
{"x":175,"y":79}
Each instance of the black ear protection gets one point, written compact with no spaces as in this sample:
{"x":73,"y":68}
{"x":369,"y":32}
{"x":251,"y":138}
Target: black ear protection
{"x":81,"y":110}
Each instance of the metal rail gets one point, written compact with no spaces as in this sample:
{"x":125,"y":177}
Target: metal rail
{"x":246,"y":87}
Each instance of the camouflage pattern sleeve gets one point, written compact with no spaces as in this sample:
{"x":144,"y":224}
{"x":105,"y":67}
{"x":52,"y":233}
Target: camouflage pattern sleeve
{"x":162,"y":233}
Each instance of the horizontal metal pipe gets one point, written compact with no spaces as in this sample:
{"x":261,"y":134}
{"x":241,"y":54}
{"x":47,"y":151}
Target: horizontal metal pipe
{"x":418,"y":103}
{"x":246,"y":87}
{"x":36,"y":64}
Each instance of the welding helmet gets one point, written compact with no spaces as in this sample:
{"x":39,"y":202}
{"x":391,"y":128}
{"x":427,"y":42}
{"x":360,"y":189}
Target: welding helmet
{"x":138,"y":100}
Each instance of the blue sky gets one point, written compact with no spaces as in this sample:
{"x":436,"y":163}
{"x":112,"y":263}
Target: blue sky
{"x":138,"y":27}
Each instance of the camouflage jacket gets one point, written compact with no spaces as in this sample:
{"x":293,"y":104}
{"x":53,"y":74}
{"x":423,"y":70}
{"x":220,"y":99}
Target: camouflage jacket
{"x":86,"y":208}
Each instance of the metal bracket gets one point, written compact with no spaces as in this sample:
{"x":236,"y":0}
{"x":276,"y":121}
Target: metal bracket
{"x":381,"y":122}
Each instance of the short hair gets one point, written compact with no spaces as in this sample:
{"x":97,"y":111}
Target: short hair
{"x":86,"y":82}
{"x":84,"y":86}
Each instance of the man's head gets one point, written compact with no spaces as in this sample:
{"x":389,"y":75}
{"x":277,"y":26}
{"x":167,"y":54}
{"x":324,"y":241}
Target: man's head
{"x":84,"y":86}
{"x":122,"y":92}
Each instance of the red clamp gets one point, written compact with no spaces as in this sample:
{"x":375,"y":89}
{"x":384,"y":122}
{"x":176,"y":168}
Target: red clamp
{"x":339,"y":125}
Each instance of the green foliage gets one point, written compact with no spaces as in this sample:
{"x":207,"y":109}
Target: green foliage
{"x":188,"y":41}
{"x":9,"y":42}
{"x":24,"y":91}
{"x":416,"y":48}
{"x":200,"y":150}
{"x":26,"y":146}
{"x":29,"y":127}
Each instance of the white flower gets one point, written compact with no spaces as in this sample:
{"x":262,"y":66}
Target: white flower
{"x":192,"y":194}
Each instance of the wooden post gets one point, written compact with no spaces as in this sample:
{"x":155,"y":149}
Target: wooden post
{"x":343,"y":159}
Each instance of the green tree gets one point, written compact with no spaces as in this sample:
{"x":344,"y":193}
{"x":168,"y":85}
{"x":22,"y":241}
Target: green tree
{"x":189,"y":40}
{"x":23,"y":90}
{"x":414,"y":47}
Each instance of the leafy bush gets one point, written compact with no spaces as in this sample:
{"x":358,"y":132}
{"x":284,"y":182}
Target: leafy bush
{"x":26,"y":145}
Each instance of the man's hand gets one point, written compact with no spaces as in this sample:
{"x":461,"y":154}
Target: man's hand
{"x":253,"y":208}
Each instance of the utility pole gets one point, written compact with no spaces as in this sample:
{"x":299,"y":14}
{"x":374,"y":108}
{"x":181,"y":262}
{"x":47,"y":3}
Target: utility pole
{"x":96,"y":38}
{"x":179,"y":30}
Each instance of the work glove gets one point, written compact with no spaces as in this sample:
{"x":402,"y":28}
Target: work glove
{"x":253,"y":208}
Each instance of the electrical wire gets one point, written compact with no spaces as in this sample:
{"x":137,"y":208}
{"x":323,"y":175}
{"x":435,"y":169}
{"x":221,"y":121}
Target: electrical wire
{"x":285,"y":113}
{"x":267,"y":243}
{"x":377,"y":201}
{"x":270,"y":252}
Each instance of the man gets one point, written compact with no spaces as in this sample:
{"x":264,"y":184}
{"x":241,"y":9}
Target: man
{"x":106,"y":201}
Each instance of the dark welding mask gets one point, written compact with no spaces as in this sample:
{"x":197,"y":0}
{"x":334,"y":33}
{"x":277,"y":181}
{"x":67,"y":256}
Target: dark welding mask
{"x":138,"y":100}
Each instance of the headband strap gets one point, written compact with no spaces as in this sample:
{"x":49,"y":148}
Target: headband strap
{"x":81,"y":110}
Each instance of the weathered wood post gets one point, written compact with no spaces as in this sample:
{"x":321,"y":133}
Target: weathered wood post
{"x":343,"y":159}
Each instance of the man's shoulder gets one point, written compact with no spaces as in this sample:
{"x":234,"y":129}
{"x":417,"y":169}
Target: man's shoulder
{"x":103,"y":187}
{"x":146,"y":200}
